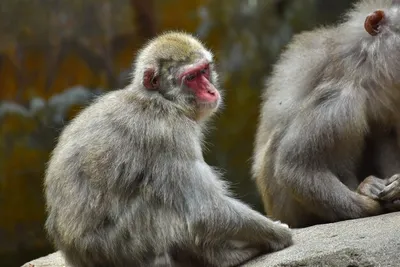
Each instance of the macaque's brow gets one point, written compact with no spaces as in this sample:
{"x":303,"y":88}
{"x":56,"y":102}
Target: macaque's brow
{"x":167,"y":63}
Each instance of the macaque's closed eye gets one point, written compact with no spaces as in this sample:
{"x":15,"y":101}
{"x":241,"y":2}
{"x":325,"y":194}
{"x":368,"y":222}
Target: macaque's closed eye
{"x":191,"y":77}
{"x":196,"y":72}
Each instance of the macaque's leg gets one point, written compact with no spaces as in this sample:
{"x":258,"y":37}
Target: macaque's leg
{"x":236,"y":221}
{"x":231,"y":255}
{"x":234,"y":233}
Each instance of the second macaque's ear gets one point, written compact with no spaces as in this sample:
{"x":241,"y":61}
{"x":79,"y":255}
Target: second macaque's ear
{"x":373,"y":21}
{"x":151,"y":80}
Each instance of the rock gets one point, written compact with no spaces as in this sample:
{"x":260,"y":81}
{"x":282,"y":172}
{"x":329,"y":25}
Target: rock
{"x":367,"y":242}
{"x":52,"y":260}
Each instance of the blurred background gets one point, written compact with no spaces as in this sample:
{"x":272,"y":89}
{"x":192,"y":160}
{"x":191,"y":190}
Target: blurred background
{"x":57,"y":55}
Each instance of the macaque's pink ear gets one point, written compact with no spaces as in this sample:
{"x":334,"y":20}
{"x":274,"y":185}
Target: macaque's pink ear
{"x":373,"y":21}
{"x":151,"y":80}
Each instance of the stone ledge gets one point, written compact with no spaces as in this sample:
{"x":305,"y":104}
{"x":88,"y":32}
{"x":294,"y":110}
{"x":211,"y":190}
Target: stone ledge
{"x":367,"y":242}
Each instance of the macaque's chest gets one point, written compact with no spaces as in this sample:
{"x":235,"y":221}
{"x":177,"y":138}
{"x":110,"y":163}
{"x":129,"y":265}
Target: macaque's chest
{"x":373,"y":152}
{"x":367,"y":166}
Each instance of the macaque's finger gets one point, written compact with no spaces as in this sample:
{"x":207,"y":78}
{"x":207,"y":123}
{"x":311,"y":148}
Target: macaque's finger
{"x":379,"y":185}
{"x":393,"y":178}
{"x":391,"y":192}
{"x":371,"y":187}
{"x":375,"y":192}
{"x":367,"y":190}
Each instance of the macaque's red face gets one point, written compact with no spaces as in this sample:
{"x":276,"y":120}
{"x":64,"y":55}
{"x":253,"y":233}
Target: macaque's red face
{"x":189,"y":85}
{"x":197,"y":79}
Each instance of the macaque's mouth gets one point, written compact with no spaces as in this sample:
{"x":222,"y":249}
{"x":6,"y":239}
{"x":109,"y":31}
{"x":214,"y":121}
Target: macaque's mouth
{"x":205,"y":106}
{"x":209,"y":95}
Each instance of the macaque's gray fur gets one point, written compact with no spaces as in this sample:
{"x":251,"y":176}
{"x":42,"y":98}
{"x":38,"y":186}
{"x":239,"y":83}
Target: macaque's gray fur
{"x":127,"y":184}
{"x":330,"y":118}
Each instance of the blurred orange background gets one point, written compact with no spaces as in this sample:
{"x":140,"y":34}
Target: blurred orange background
{"x":56,"y":56}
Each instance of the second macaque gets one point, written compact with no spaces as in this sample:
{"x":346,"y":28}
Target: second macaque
{"x":327,"y":146}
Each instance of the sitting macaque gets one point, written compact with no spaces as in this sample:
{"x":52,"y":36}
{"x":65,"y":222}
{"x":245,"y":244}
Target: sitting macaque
{"x":127,"y":184}
{"x":327,"y":146}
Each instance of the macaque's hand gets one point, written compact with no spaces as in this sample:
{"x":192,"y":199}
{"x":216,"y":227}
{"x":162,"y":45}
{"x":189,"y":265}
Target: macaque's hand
{"x":372,"y":187}
{"x":386,"y":191}
{"x":391,"y":192}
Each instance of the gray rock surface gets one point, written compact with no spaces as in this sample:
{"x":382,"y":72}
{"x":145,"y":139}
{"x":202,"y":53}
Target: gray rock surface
{"x":369,"y":242}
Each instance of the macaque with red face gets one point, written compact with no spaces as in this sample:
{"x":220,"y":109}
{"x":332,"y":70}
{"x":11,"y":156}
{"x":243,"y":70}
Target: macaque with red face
{"x":127,"y":184}
{"x":327,"y":146}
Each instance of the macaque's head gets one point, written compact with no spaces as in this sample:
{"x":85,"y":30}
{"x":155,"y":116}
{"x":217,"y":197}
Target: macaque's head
{"x":374,"y":20}
{"x":178,"y":68}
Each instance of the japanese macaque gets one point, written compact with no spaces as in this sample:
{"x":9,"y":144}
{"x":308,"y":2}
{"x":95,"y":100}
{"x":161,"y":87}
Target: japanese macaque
{"x":327,"y":145}
{"x":127,"y":184}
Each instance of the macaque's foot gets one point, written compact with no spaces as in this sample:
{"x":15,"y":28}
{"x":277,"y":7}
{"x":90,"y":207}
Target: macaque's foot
{"x":281,"y":224}
{"x":372,"y":187}
{"x":282,"y":237}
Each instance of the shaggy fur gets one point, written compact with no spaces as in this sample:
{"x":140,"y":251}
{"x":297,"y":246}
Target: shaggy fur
{"x":333,"y":99}
{"x":127,"y":184}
